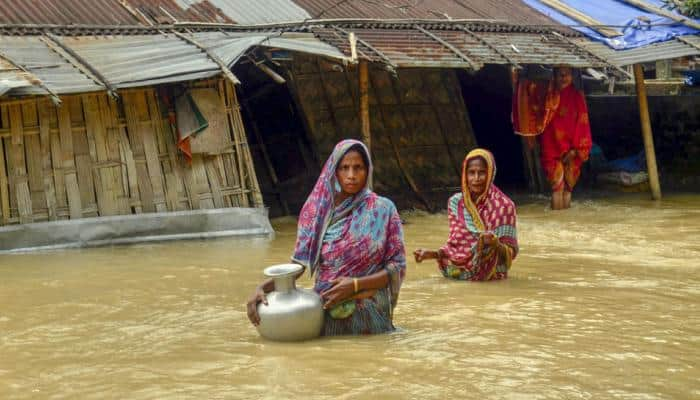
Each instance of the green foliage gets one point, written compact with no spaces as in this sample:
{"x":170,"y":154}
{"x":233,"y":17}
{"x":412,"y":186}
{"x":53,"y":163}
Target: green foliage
{"x":690,"y":8}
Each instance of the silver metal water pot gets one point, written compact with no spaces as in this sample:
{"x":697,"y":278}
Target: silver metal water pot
{"x":291,"y":313}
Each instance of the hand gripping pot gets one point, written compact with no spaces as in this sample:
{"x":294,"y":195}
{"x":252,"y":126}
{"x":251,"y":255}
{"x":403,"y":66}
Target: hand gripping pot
{"x":291,"y":314}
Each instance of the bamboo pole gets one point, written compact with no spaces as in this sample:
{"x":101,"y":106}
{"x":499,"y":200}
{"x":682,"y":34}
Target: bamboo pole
{"x":239,"y":129}
{"x":4,"y":190}
{"x":364,"y":103}
{"x":646,"y":132}
{"x":254,"y":185}
{"x":244,"y":201}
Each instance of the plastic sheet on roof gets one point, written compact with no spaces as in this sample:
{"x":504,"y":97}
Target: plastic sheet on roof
{"x":610,"y":12}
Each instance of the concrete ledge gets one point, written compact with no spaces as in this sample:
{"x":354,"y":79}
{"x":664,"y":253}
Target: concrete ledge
{"x":100,"y":231}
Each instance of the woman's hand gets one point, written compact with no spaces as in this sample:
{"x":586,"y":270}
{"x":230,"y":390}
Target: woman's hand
{"x":252,"y":305}
{"x":423,"y":254}
{"x":488,"y":238}
{"x":341,"y":290}
{"x":488,"y":241}
{"x":569,"y":156}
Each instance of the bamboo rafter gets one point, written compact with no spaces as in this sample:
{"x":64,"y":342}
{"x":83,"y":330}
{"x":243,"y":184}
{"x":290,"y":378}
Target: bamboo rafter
{"x":474,"y":65}
{"x":369,"y":46}
{"x":73,"y":58}
{"x":34,"y":79}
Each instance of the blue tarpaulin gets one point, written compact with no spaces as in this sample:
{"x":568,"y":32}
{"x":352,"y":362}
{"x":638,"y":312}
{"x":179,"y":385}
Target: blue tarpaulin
{"x":621,"y":16}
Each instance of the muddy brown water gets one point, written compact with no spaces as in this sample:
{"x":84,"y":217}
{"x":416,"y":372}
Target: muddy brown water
{"x":602,"y":303}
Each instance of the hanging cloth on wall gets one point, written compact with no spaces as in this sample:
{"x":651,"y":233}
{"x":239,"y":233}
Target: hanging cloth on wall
{"x":201,"y":121}
{"x":190,"y":121}
{"x":534,"y":104}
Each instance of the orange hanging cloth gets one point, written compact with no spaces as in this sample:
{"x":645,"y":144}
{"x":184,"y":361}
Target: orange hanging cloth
{"x":534,"y":104}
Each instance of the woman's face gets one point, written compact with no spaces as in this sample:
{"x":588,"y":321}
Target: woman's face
{"x":563,"y":77}
{"x":476,"y":176}
{"x":351,"y":172}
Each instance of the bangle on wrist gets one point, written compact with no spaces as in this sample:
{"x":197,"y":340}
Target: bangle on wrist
{"x":356,"y":284}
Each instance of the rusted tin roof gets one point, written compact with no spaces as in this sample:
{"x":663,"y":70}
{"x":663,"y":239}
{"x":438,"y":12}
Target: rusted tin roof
{"x":512,"y":11}
{"x":62,"y":12}
{"x":457,"y":45}
{"x":110,"y":12}
{"x":148,"y":12}
{"x":156,"y":12}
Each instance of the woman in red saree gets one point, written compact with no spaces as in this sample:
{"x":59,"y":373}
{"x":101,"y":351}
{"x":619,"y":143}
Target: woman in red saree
{"x":482,"y":242}
{"x":566,"y":141}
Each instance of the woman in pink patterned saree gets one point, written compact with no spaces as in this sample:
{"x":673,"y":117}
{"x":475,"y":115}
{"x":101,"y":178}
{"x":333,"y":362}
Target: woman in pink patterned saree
{"x":351,"y":240}
{"x":482,"y":242}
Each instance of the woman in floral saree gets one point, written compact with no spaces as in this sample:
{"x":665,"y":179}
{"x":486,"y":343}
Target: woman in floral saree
{"x":482,"y":242}
{"x":351,"y":240}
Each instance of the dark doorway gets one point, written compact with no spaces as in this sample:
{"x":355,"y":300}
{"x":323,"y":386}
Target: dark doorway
{"x":487,"y":96}
{"x":281,"y":151}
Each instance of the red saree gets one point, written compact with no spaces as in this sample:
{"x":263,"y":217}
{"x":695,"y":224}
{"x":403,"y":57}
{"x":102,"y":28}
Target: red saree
{"x":463,"y":256}
{"x":568,"y":129}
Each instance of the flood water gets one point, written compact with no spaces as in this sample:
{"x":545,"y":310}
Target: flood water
{"x":602,"y":303}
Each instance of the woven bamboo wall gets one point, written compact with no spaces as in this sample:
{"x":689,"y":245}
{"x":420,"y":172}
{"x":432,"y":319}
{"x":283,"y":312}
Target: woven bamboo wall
{"x":419,"y":124}
{"x":95,"y":156}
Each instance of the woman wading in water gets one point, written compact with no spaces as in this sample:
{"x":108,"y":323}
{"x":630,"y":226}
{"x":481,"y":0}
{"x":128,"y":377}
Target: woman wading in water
{"x":351,"y":240}
{"x":482,"y":242}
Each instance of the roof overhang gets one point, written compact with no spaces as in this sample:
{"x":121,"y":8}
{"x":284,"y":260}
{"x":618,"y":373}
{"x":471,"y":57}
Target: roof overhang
{"x":73,"y":59}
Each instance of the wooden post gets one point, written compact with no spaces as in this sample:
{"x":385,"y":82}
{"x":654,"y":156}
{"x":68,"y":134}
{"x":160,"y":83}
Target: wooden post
{"x":646,"y":132}
{"x":364,"y":103}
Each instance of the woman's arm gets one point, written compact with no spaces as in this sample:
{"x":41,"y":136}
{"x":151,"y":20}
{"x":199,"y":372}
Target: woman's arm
{"x":347,"y":287}
{"x":258,"y":296}
{"x":424,"y":254}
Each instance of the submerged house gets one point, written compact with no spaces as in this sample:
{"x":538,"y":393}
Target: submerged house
{"x":94,"y":131}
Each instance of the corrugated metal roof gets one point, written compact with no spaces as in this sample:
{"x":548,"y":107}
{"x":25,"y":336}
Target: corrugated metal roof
{"x":109,"y":12}
{"x":133,"y":60}
{"x":229,"y":46}
{"x":127,"y":61}
{"x":154,"y":12}
{"x":148,"y":12}
{"x":512,"y":11}
{"x":63,"y":12}
{"x":259,"y":11}
{"x":169,"y":11}
{"x":693,"y":40}
{"x":11,"y":77}
{"x":653,"y":52}
{"x":54,"y":71}
{"x":410,"y":47}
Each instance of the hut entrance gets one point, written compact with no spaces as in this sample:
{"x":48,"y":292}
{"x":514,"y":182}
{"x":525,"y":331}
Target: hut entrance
{"x":282,"y":153}
{"x":487,"y":96}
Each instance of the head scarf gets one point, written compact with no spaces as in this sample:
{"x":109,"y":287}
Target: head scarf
{"x":319,"y":210}
{"x":470,"y":205}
